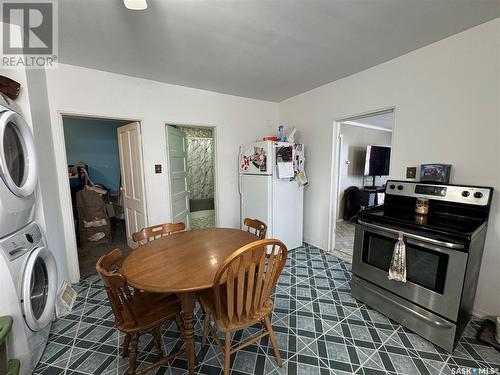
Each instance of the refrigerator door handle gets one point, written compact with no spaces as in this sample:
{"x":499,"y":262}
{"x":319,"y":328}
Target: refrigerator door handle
{"x":239,"y":183}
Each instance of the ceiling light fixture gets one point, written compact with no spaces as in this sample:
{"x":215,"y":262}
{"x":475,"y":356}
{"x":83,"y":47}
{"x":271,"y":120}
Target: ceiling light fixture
{"x":135,"y":4}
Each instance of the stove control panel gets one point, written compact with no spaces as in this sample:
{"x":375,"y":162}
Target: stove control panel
{"x":459,"y":194}
{"x":430,"y":190}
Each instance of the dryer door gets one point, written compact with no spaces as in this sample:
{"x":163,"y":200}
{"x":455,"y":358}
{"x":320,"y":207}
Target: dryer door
{"x":39,"y":288}
{"x":17,"y":156}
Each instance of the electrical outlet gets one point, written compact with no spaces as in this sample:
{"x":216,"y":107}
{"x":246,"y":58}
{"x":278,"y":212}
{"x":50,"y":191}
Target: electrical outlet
{"x":157,"y":168}
{"x":411,"y":172}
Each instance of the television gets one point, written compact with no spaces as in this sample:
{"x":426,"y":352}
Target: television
{"x":377,"y":160}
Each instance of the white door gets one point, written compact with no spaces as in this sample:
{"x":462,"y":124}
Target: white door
{"x":132,"y":174}
{"x":256,"y":200}
{"x":288,"y":203}
{"x":178,"y":176}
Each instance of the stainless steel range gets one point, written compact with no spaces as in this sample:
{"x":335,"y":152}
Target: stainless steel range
{"x":443,"y":256}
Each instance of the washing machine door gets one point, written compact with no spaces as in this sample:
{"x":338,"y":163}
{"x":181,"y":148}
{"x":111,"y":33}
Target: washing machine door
{"x":39,"y":288}
{"x":17,"y":156}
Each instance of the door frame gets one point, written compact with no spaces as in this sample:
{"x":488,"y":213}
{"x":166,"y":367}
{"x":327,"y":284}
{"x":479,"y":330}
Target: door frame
{"x":335,"y":167}
{"x":216,"y":158}
{"x":69,"y":229}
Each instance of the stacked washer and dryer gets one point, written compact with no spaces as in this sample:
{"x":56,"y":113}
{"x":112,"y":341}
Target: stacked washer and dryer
{"x":28,"y":271}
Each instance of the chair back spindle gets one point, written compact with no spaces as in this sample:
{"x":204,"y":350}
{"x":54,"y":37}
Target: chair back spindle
{"x":244,"y":282}
{"x":256,"y":227}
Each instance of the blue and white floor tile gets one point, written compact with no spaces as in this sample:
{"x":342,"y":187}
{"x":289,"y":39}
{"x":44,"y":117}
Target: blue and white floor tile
{"x":320,"y":329}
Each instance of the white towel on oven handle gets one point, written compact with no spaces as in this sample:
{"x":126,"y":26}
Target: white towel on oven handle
{"x":397,"y":268}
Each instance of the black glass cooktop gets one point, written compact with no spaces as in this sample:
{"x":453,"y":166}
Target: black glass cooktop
{"x":443,"y":223}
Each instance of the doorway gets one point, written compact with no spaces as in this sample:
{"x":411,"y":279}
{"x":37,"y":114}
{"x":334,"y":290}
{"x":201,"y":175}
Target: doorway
{"x":100,"y":153}
{"x":362,"y":169}
{"x":191,"y":151}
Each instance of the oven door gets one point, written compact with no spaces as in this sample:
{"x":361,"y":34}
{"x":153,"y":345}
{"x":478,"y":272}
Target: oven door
{"x":434,"y":269}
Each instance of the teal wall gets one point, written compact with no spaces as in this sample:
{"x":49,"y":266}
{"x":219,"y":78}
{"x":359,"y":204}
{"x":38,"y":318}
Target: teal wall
{"x":95,"y":143}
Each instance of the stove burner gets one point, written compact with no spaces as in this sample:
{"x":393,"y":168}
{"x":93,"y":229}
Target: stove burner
{"x":439,"y":222}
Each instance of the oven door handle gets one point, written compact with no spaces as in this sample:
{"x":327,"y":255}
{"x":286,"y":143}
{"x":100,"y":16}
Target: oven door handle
{"x":441,"y":323}
{"x":449,"y":245}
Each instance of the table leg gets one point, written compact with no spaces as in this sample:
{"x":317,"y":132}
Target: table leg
{"x":188,"y":304}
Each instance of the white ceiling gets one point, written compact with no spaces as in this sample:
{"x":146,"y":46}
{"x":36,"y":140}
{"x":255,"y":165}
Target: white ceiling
{"x":265,"y":49}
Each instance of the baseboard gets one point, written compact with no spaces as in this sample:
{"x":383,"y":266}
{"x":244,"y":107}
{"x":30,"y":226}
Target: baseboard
{"x":480,"y":314}
{"x":309,"y":241}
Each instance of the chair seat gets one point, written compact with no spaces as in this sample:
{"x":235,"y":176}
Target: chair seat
{"x":151,"y":308}
{"x":207,"y":300}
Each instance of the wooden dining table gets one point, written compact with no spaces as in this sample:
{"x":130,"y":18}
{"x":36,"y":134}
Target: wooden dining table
{"x":183,"y":263}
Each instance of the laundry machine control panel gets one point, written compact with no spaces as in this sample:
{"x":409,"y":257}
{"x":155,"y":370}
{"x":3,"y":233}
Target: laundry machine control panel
{"x":22,"y":241}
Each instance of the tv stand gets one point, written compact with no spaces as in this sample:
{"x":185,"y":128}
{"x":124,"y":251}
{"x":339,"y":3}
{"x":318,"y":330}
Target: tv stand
{"x":368,"y":196}
{"x":361,"y":198}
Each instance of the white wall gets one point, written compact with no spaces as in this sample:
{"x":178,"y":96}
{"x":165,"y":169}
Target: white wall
{"x":79,"y":90}
{"x":353,"y":150}
{"x":446,"y":97}
{"x":49,"y":198}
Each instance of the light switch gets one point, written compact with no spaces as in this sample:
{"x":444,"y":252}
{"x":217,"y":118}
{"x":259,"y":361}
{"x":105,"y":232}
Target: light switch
{"x":157,"y":168}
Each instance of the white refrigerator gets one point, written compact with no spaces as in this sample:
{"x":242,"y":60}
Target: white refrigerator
{"x":269,"y":188}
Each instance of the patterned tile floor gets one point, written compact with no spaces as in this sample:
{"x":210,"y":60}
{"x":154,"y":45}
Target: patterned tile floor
{"x":320,"y":328}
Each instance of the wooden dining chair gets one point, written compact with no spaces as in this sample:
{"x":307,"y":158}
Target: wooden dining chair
{"x":157,"y":231}
{"x":256,"y":226}
{"x":241,"y":295}
{"x":137,"y":312}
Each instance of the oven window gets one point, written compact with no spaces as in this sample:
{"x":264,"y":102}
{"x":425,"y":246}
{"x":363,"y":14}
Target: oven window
{"x":424,"y":267}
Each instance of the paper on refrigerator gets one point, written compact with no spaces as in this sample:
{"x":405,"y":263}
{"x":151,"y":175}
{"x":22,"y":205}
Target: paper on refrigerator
{"x":285,"y":170}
